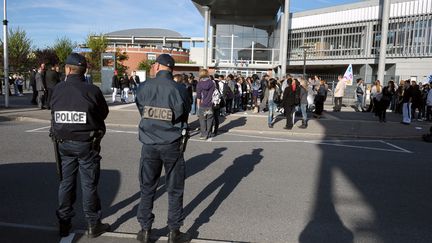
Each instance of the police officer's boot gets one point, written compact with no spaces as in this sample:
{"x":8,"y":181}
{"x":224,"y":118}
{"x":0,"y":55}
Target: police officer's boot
{"x":144,"y":236}
{"x":175,"y":236}
{"x":97,"y":229}
{"x":64,"y":227}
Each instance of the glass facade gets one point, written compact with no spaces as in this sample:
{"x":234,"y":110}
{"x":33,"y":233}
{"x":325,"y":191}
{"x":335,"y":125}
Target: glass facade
{"x":408,"y":36}
{"x":241,"y":44}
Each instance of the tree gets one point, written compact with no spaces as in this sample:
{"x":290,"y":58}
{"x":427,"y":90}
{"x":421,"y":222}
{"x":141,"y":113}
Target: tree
{"x":62,"y":48}
{"x":120,"y":57}
{"x":19,"y":49}
{"x":146,"y":65}
{"x":47,"y":56}
{"x":98,"y":45}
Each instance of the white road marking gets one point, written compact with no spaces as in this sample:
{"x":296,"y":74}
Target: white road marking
{"x":397,"y":147}
{"x":67,"y":239}
{"x":120,"y":107}
{"x":277,"y":140}
{"x":38,"y":129}
{"x":119,"y":131}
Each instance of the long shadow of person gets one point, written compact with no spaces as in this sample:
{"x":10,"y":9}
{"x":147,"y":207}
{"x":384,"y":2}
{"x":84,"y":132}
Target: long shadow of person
{"x":193,"y":166}
{"x":29,"y":195}
{"x":326,"y":225}
{"x":241,"y":121}
{"x":232,"y":176}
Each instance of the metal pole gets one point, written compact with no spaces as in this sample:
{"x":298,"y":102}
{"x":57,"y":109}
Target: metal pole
{"x":385,"y":8}
{"x":252,"y":52}
{"x":5,"y":56}
{"x":281,"y":43}
{"x":285,"y":37}
{"x":206,"y":30}
{"x":304,"y":63}
{"x":232,"y":48}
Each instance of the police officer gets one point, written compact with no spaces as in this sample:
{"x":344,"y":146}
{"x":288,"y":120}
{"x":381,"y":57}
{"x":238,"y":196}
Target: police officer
{"x":164,"y":107}
{"x":78,"y":112}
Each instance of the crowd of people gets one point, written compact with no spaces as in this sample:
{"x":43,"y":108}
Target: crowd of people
{"x":122,"y":85}
{"x":219,"y":95}
{"x":411,"y":99}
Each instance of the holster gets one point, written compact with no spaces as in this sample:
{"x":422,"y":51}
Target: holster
{"x":184,"y":139}
{"x":56,"y":142}
{"x":96,"y":138}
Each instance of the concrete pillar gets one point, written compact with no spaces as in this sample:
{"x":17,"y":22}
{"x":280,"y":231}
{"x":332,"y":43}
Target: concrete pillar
{"x":206,"y":30}
{"x":164,"y":41}
{"x":385,"y":8}
{"x":366,"y":72}
{"x":285,"y":36}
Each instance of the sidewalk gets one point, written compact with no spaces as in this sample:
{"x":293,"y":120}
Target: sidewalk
{"x":345,"y":124}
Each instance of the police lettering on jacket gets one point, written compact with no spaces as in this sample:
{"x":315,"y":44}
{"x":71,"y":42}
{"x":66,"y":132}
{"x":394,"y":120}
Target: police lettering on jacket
{"x":70,"y":117}
{"x":157,"y":113}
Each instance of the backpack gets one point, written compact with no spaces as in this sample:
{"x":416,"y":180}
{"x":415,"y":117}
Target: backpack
{"x":216,"y":97}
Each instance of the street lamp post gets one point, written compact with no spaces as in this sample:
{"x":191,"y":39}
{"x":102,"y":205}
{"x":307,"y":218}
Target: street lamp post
{"x":305,"y":48}
{"x":5,"y":56}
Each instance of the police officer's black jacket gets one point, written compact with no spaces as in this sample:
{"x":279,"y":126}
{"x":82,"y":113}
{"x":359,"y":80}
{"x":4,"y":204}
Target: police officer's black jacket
{"x":164,"y":107}
{"x":78,"y":109}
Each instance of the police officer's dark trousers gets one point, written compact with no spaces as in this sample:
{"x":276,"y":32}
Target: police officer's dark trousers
{"x":153,"y":157}
{"x":79,"y":157}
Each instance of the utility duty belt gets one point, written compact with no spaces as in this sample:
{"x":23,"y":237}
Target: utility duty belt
{"x":95,"y":138}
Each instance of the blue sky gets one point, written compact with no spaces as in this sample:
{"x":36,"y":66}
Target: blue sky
{"x":45,"y":21}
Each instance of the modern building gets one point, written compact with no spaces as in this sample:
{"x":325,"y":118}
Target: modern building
{"x":148,"y":43}
{"x":252,"y":36}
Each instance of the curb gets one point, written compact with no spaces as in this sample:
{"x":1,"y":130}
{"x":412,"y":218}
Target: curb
{"x":296,"y":134}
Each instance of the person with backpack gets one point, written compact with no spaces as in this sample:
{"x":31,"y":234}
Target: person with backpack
{"x":217,"y":104}
{"x":205,"y":89}
{"x":291,"y":99}
{"x":320,"y":98}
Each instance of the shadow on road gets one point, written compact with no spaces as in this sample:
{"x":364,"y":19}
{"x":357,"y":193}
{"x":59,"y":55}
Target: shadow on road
{"x":193,"y":166}
{"x":29,"y":194}
{"x":395,"y":189}
{"x":227,"y":182}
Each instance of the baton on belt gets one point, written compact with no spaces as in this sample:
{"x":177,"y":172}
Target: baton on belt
{"x":57,"y":157}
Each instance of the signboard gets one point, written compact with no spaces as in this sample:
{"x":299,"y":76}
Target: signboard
{"x":107,"y":71}
{"x":81,"y":50}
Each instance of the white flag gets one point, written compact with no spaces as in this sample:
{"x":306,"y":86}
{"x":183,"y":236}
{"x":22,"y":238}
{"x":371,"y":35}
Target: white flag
{"x":349,"y":75}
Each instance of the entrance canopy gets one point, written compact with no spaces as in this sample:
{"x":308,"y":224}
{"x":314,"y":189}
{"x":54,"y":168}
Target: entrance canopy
{"x":258,"y":13}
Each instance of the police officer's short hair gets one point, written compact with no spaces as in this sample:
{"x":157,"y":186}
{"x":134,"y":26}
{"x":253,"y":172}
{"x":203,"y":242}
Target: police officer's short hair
{"x":77,"y":63}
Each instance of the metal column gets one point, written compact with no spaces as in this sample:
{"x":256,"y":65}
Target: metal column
{"x":5,"y":56}
{"x":385,"y":8}
{"x":206,"y":30}
{"x":281,"y":43}
{"x":285,"y":37}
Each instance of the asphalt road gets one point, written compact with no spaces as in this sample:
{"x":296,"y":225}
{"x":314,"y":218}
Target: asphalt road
{"x":240,"y":187}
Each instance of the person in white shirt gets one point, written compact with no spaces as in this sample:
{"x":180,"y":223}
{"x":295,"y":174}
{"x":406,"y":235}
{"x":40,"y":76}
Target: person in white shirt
{"x":339,"y":93}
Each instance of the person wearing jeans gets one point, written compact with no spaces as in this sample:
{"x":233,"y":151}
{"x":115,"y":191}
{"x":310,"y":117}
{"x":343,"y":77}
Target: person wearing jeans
{"x":303,"y":102}
{"x":205,"y":89}
{"x":271,"y":94}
